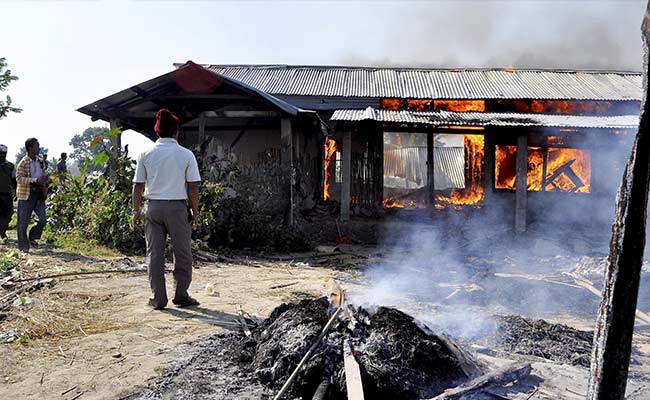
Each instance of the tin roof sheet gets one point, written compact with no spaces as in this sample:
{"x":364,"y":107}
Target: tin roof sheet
{"x":436,"y":83}
{"x":487,"y":119}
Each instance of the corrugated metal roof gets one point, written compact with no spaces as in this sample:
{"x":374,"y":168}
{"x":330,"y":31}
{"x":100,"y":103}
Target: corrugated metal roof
{"x":436,"y":83}
{"x":449,"y":168}
{"x":487,"y":119}
{"x":410,"y":163}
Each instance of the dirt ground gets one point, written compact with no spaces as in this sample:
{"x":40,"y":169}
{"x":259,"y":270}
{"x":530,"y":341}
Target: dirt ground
{"x":93,"y":337}
{"x":125,"y":344}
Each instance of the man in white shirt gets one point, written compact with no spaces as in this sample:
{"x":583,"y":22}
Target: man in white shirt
{"x":168,"y":174}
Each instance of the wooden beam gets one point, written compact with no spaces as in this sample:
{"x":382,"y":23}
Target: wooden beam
{"x":521,"y":194}
{"x":488,"y":165}
{"x":208,"y":114}
{"x":219,"y":97}
{"x":286,"y":157}
{"x":610,"y":358}
{"x":201,"y":129}
{"x":346,"y":175}
{"x":430,"y":167}
{"x":352,"y":373}
{"x":499,"y":377}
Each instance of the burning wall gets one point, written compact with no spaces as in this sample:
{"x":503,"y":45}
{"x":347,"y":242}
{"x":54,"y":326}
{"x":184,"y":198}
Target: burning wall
{"x":549,"y":169}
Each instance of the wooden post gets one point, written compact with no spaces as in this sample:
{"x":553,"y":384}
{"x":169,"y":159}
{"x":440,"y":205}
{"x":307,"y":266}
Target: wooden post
{"x":521,"y":193}
{"x":430,"y":168}
{"x":202,"y":120}
{"x":116,"y":141}
{"x":610,"y":358}
{"x":488,"y":166}
{"x":346,"y":175}
{"x":286,"y":139}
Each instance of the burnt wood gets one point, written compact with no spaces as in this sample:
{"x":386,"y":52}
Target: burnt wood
{"x":615,"y":326}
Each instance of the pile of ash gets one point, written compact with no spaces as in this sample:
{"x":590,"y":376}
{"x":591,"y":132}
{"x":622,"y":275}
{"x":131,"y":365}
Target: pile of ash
{"x":398,"y":358}
{"x":539,"y":338}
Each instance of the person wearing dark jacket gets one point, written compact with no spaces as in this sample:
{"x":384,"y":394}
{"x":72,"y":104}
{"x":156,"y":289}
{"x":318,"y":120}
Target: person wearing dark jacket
{"x":7,"y":190}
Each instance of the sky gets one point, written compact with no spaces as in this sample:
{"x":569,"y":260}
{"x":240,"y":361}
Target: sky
{"x":69,"y":54}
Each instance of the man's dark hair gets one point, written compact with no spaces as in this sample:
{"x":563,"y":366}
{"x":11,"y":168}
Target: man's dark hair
{"x":29,"y":143}
{"x":64,"y":155}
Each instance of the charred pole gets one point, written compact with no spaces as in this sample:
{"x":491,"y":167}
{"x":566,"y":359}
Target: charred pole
{"x":610,"y":358}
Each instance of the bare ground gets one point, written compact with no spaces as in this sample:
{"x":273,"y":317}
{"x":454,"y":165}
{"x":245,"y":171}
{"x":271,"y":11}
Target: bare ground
{"x":124,"y":344}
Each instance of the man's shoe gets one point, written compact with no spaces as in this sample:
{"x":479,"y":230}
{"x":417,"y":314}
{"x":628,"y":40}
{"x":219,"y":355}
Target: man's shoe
{"x":186,"y":302}
{"x":155,"y":305}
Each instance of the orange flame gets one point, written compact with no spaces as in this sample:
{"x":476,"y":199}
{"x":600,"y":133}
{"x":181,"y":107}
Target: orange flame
{"x":329,"y":151}
{"x":394,"y":202}
{"x":460,"y":105}
{"x":567,"y":169}
{"x":473,"y":193}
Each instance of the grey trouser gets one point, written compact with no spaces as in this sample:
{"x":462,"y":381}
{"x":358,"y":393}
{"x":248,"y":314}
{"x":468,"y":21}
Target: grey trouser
{"x":25,"y":209}
{"x":6,"y":211}
{"x":163,"y":217}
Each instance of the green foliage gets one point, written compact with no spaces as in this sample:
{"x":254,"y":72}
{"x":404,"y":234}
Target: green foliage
{"x":96,"y":206}
{"x":87,"y":145}
{"x":245,"y":207}
{"x":10,"y":260}
{"x":5,"y":79}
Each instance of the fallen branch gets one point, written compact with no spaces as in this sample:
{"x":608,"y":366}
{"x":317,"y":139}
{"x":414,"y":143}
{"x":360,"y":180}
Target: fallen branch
{"x":501,"y":376}
{"x":108,"y":271}
{"x":585,"y":284}
{"x":307,"y":355}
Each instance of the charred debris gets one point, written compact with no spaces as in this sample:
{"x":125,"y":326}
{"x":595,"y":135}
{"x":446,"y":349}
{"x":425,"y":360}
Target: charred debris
{"x":394,"y":355}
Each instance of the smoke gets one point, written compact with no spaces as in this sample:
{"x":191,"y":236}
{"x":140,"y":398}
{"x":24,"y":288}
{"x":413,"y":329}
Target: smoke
{"x":524,"y":34}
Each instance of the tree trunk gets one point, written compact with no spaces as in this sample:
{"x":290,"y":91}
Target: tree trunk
{"x":610,"y":359}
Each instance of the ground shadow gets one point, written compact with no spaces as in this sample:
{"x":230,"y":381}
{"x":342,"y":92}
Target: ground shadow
{"x":218,"y":318}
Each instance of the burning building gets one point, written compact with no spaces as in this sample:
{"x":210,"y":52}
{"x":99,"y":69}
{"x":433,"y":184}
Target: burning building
{"x":542,"y":144}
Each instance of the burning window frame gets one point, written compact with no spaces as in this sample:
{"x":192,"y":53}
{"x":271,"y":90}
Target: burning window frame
{"x":542,"y":173}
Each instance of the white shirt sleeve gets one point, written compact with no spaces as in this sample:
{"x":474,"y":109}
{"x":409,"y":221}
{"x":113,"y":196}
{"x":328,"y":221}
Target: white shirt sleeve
{"x":140,"y":172}
{"x":192,"y":173}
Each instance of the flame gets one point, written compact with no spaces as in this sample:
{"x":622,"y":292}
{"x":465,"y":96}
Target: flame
{"x":329,"y":151}
{"x":391,"y":104}
{"x":575,"y":175}
{"x":459,"y":105}
{"x":394,"y":202}
{"x":567,"y":169}
{"x":473,"y":193}
{"x":419,"y":105}
{"x":557,"y":140}
{"x":570,"y":107}
{"x":510,"y":68}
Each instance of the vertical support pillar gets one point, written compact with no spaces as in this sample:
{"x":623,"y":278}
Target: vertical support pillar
{"x":202,"y":121}
{"x":488,"y":166}
{"x":521,"y":199}
{"x":116,"y":141}
{"x":286,"y":156}
{"x":379,"y":169}
{"x":346,"y":175}
{"x":430,"y":168}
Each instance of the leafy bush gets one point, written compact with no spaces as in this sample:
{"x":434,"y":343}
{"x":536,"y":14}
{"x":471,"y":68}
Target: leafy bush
{"x":245,"y":207}
{"x":9,"y":261}
{"x":97,"y":207}
{"x":239,"y":207}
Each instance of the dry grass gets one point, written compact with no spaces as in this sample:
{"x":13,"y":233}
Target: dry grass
{"x":56,"y":314}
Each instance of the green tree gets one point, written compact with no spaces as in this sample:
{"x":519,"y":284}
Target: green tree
{"x":81,"y":144}
{"x":5,"y":79}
